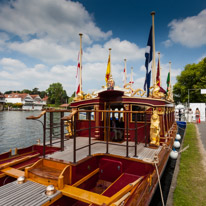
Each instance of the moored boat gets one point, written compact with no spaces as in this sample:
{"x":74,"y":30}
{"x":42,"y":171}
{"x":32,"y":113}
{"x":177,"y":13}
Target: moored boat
{"x":114,"y":153}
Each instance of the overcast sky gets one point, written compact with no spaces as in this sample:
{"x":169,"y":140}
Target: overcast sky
{"x":39,"y":40}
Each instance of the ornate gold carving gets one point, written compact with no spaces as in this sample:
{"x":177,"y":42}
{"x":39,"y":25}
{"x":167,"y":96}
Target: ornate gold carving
{"x":79,"y":96}
{"x":169,"y":95}
{"x":68,"y":128}
{"x":156,"y":92}
{"x":88,"y":96}
{"x":132,"y":91}
{"x":155,"y":129}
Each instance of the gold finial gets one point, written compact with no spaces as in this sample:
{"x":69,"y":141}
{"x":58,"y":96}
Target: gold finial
{"x":152,"y":13}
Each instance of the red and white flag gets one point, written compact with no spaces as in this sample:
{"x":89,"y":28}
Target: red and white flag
{"x":124,"y":76}
{"x":78,"y":80}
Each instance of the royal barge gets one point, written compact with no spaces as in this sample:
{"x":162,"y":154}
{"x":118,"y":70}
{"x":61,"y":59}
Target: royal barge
{"x":101,"y":162}
{"x":114,"y":151}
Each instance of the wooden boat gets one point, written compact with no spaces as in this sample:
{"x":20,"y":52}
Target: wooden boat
{"x":114,"y":153}
{"x":98,"y":169}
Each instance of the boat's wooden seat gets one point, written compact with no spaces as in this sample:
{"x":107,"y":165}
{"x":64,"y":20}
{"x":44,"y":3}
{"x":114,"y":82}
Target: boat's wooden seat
{"x":46,"y":172}
{"x":49,"y":172}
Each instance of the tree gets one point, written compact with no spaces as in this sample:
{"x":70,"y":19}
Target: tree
{"x":192,"y":79}
{"x":56,"y":94}
{"x":71,"y":98}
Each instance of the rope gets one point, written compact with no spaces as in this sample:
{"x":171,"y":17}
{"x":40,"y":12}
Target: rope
{"x":159,"y":184}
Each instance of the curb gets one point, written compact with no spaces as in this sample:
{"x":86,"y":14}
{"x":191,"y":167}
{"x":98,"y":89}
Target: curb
{"x":174,"y":178}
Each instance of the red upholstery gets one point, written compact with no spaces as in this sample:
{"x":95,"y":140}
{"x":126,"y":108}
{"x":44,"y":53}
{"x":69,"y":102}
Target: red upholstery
{"x":124,"y":180}
{"x":110,"y":169}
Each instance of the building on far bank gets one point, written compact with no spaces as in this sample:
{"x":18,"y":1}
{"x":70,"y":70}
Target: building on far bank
{"x":2,"y":101}
{"x":29,"y":102}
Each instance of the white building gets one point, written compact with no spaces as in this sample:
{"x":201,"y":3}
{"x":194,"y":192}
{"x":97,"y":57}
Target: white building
{"x":29,"y":102}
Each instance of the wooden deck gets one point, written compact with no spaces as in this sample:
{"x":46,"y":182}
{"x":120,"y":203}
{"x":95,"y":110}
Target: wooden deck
{"x":143,"y":153}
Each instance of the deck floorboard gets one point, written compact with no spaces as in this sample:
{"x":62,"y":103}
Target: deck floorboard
{"x":67,"y":155}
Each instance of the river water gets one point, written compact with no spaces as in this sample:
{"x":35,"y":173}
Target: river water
{"x":16,"y":131}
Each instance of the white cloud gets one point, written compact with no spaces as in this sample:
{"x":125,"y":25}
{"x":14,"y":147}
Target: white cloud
{"x":120,"y":51}
{"x":47,"y":30}
{"x":167,"y":43}
{"x":190,"y":31}
{"x":60,"y":19}
{"x":202,"y":57}
{"x":48,"y":52}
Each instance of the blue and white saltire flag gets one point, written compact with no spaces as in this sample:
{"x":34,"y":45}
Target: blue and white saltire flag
{"x":148,"y":59}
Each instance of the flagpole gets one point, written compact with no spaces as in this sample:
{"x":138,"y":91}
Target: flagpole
{"x":125,"y":66}
{"x":80,"y":62}
{"x":153,"y":45}
{"x":170,"y":71}
{"x":159,"y":67}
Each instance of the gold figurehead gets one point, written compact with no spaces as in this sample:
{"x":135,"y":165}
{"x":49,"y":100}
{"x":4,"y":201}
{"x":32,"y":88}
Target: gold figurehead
{"x":156,"y":92}
{"x":155,"y":129}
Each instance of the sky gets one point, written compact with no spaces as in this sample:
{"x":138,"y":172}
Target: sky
{"x":39,"y":40}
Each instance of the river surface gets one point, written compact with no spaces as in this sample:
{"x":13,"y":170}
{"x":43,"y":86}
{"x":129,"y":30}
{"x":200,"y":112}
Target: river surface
{"x":17,"y":132}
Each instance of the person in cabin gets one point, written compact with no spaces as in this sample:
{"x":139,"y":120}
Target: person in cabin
{"x":116,"y":131}
{"x":197,"y":115}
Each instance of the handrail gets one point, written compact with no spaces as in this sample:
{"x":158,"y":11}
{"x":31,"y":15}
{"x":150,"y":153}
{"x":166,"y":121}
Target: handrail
{"x":69,"y":117}
{"x":36,"y":117}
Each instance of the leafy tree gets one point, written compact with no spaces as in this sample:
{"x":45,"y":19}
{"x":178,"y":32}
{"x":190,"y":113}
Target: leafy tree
{"x":26,"y":91}
{"x":71,"y":98}
{"x":56,"y":94}
{"x":192,"y":79}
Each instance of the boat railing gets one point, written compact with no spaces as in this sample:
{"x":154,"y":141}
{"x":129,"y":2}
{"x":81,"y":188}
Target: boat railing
{"x":73,"y":118}
{"x":107,"y":128}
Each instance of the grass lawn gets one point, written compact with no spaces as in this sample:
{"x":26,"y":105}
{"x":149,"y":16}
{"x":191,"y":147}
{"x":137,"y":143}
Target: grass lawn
{"x":191,"y":181}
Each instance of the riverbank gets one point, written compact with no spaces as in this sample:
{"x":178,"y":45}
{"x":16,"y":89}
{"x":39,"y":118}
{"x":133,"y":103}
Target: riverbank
{"x":191,"y":181}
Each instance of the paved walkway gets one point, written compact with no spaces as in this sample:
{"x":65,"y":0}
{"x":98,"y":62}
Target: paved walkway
{"x":202,"y":132}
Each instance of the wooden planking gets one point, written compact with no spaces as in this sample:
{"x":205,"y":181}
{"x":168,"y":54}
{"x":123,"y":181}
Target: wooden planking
{"x":13,"y":172}
{"x":67,"y":155}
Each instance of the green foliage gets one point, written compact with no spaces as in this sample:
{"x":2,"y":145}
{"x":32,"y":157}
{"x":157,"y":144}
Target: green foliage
{"x":193,"y":77}
{"x":13,"y":105}
{"x":56,"y":94}
{"x":191,"y":181}
{"x":71,"y":98}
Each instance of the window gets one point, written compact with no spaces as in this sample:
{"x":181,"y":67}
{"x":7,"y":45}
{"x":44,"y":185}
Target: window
{"x":140,"y":115}
{"x":85,"y":115}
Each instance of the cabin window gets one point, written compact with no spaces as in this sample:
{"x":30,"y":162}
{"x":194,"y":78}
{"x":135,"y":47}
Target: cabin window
{"x":84,"y":115}
{"x":140,"y":114}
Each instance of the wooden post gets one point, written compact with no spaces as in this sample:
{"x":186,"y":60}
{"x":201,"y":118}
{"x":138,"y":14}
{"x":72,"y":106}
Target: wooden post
{"x":153,"y":52}
{"x":97,"y":122}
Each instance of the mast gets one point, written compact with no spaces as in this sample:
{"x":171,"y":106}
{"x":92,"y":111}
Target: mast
{"x":153,"y":52}
{"x":159,"y":68}
{"x":80,"y":62}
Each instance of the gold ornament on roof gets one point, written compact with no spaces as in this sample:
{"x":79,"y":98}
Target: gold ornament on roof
{"x":155,"y":93}
{"x":132,"y":91}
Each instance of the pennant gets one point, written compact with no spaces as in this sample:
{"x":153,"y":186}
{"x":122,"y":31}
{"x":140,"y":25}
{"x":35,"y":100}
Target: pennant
{"x":158,"y":73}
{"x":124,"y":76}
{"x":108,"y":71}
{"x":148,"y":59}
{"x":168,"y":81}
{"x":78,"y":77}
